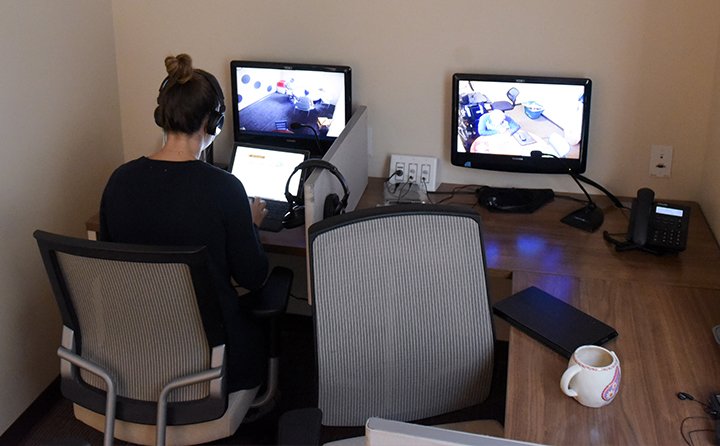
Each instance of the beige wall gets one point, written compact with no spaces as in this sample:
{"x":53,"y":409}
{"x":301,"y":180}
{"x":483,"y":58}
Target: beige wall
{"x":652,"y":63}
{"x":654,"y":67}
{"x":60,"y":129}
{"x":710,"y":185}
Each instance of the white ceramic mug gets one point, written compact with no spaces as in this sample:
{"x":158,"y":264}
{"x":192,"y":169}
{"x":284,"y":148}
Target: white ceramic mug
{"x":592,"y":376}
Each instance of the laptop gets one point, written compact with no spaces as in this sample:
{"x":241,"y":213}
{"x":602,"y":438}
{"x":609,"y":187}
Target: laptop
{"x":264,"y":172}
{"x":553,"y":322}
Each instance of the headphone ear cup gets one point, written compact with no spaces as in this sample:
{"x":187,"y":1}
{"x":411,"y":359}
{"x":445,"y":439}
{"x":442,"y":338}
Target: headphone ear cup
{"x":331,"y":206}
{"x":294,"y":218}
{"x":215,"y":123}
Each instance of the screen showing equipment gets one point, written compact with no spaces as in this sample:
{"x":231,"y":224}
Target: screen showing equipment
{"x":290,"y":105}
{"x":499,"y":120}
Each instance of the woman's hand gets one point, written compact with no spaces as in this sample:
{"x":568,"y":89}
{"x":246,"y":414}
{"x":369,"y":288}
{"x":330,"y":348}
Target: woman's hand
{"x":257,"y":208}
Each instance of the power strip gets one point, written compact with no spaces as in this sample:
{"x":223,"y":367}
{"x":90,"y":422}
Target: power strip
{"x":415,"y":169}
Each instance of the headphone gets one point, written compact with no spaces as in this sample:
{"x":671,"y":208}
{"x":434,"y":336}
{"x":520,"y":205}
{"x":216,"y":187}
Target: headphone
{"x":333,"y":205}
{"x":216,"y":119}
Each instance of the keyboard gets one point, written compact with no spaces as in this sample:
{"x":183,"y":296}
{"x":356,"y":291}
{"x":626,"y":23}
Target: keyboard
{"x":276,"y":210}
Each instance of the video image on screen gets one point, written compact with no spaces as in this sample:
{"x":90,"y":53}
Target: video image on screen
{"x":515,"y":118}
{"x":279,"y":101}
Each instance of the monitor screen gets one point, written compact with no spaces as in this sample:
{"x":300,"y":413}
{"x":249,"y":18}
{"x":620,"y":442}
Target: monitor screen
{"x":520,"y":123}
{"x":291,"y":105}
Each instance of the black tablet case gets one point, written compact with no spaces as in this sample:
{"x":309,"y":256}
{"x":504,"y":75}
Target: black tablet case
{"x":553,"y":322}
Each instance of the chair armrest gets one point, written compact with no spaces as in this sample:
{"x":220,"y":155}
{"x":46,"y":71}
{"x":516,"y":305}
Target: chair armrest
{"x":271,"y":300}
{"x":300,"y":427}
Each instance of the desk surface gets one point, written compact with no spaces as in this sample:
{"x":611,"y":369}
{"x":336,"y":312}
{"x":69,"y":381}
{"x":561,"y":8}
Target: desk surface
{"x":657,"y":359}
{"x":540,"y":243}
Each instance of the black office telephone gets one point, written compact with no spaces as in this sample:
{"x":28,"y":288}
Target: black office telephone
{"x":655,"y":227}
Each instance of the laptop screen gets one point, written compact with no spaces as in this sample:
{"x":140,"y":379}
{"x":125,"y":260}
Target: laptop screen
{"x":264,"y":171}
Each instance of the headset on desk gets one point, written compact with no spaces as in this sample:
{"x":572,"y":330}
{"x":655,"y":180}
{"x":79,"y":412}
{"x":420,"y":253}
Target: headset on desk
{"x":333,"y":205}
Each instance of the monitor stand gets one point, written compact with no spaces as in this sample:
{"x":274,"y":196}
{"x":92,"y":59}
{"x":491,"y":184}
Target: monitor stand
{"x":515,"y":200}
{"x":587,"y":218}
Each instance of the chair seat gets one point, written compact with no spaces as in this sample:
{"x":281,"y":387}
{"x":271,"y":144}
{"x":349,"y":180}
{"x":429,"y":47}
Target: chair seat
{"x":238,"y":404}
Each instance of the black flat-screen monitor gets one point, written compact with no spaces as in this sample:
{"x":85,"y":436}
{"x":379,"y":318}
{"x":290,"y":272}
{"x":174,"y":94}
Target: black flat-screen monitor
{"x":520,"y":123}
{"x":289,"y":104}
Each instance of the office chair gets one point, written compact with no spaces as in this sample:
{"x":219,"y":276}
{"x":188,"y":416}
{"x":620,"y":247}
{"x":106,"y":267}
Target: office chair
{"x":143,"y":350}
{"x":512,"y":95}
{"x":401,"y":311}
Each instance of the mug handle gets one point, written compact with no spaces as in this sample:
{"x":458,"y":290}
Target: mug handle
{"x":565,"y":380}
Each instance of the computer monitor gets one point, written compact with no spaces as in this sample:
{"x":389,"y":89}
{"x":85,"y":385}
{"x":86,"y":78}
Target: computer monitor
{"x":289,"y":104}
{"x":520,"y":123}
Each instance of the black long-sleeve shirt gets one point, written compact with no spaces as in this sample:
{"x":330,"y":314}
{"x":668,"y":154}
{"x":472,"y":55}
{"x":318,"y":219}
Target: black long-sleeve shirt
{"x":192,"y":203}
{"x":185,"y":203}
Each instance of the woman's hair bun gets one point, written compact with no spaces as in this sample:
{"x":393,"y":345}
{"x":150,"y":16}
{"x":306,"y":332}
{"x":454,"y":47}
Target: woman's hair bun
{"x":179,"y":68}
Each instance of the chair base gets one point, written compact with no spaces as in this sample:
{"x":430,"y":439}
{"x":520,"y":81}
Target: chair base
{"x":190,"y":434}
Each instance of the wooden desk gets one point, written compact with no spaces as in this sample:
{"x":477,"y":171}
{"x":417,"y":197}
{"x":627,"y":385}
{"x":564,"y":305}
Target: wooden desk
{"x":539,"y":242}
{"x":665,"y":346}
{"x":663,"y":308}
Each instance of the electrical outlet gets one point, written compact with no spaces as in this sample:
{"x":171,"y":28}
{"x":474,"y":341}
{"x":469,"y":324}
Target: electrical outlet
{"x":399,"y":167}
{"x":420,"y":169}
{"x":412,"y":173}
{"x":660,"y":161}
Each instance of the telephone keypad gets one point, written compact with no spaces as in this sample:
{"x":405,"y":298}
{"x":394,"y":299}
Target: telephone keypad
{"x":667,"y":231}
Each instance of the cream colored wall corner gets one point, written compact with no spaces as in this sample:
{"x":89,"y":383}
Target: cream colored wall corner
{"x":60,"y":140}
{"x":710,"y":186}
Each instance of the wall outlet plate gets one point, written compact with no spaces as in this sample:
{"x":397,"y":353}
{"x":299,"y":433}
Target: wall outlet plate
{"x":660,"y":161}
{"x":417,"y":169}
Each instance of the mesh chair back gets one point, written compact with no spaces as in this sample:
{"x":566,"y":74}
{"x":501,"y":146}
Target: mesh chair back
{"x":402,"y":315}
{"x":146,"y":316}
{"x":140,"y":322}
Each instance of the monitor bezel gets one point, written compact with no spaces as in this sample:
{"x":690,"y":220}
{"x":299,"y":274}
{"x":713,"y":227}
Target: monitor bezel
{"x":512,"y":163}
{"x":299,"y":141}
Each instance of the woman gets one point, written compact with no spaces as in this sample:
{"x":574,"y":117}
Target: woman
{"x":173,"y":198}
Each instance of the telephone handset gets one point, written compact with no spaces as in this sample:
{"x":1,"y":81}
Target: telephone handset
{"x":640,"y":216}
{"x":655,"y":227}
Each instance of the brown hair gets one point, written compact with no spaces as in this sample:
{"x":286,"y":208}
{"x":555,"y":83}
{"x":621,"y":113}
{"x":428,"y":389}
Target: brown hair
{"x":186,"y":98}
{"x":179,"y":68}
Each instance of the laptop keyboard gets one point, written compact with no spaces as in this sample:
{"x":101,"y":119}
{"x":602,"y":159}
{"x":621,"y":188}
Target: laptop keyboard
{"x":276,"y":210}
